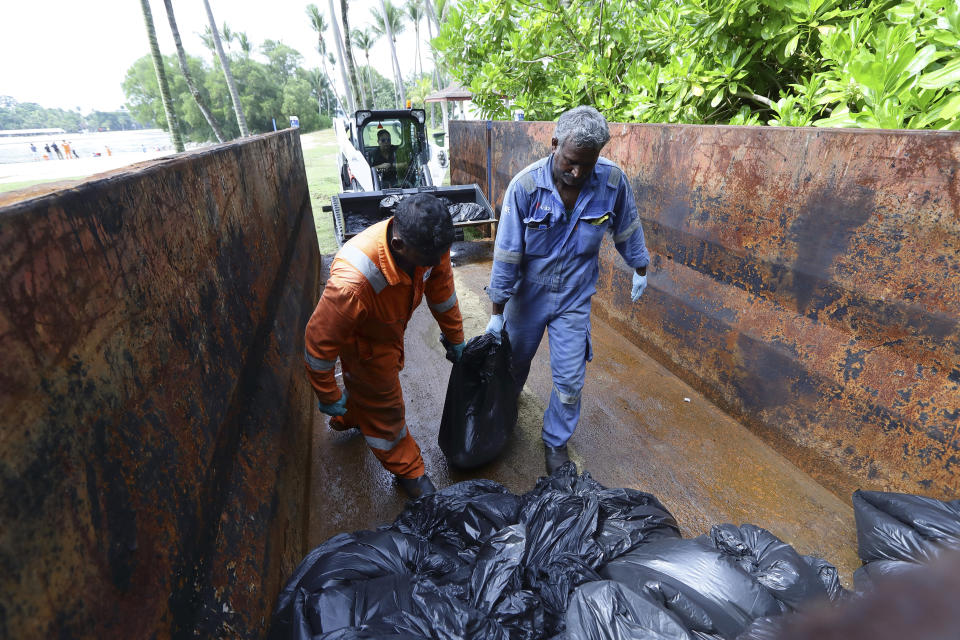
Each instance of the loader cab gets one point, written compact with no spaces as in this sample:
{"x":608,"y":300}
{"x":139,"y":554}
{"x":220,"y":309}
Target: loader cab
{"x":395,"y":146}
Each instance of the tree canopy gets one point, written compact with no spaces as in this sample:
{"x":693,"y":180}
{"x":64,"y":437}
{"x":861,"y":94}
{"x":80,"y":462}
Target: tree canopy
{"x":855,"y":63}
{"x":275,"y":89}
{"x":30,"y":115}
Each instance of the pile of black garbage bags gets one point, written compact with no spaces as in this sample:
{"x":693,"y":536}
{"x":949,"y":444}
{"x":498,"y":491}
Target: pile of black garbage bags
{"x":459,"y":211}
{"x":569,"y":559}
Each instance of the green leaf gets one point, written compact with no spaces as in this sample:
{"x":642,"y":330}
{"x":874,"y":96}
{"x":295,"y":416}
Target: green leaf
{"x":717,"y":98}
{"x":950,"y":108}
{"x":902,"y":12}
{"x":949,"y":74}
{"x":923,"y":57}
{"x":837,"y":120}
{"x":791,"y":46}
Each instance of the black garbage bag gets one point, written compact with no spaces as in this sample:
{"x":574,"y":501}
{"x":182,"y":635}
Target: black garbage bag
{"x":705,"y":588}
{"x":608,"y":610}
{"x":897,"y":530}
{"x":467,"y":211}
{"x":388,"y":205}
{"x":626,"y":517}
{"x":783,"y":572}
{"x":460,"y":516}
{"x":900,"y":526}
{"x":355,"y":579}
{"x":496,"y":585}
{"x":480,"y":410}
{"x":430,"y":612}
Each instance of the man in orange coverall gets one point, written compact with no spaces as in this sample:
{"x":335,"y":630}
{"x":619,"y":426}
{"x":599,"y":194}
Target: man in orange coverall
{"x":376,"y":281}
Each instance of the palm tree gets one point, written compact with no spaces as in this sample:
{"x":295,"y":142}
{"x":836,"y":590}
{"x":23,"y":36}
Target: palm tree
{"x":225,"y":63}
{"x":415,"y":14}
{"x":440,"y":8}
{"x":319,"y":24}
{"x":432,"y":15}
{"x":335,"y":24}
{"x":318,"y":83}
{"x":228,"y":35}
{"x":245,"y":45}
{"x":390,"y":23}
{"x":161,"y":78}
{"x":358,"y":86}
{"x":182,"y":56}
{"x":364,"y":40}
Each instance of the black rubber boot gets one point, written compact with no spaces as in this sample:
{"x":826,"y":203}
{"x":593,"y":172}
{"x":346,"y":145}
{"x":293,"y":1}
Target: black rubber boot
{"x":554,"y":457}
{"x":416,"y":487}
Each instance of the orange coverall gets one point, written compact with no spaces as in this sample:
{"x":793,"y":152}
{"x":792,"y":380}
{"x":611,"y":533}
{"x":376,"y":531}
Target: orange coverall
{"x":361,"y":318}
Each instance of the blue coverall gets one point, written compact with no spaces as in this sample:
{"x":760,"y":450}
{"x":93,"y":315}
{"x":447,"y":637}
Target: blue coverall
{"x":545,"y":268}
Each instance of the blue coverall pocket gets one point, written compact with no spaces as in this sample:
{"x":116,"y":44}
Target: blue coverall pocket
{"x":590,"y":231}
{"x":540,"y":235}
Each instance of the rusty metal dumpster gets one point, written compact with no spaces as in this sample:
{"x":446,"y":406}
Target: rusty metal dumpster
{"x":156,"y":422}
{"x":806,"y":280}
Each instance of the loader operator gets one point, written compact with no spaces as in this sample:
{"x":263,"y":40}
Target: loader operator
{"x":545,"y":261}
{"x":384,"y":160}
{"x":376,"y":281}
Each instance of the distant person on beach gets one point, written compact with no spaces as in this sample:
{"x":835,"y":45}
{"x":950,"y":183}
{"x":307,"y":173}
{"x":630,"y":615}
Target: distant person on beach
{"x":33,"y":148}
{"x":57,"y":151}
{"x":109,"y":153}
{"x":66,"y":148}
{"x":75,"y":154}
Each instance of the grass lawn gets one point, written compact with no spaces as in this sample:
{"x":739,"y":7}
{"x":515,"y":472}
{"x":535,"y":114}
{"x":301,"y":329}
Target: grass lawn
{"x":320,"y":163}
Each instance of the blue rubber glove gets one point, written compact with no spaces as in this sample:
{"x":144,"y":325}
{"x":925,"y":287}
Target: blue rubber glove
{"x":639,"y":284}
{"x":495,"y":326}
{"x":455,"y":351}
{"x":337,"y":408}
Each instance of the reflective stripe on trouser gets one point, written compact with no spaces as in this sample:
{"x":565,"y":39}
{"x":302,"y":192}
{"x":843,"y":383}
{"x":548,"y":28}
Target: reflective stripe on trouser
{"x":526,"y":316}
{"x":375,"y":405}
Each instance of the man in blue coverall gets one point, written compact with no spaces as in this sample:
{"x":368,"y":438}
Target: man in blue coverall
{"x":546,"y":261}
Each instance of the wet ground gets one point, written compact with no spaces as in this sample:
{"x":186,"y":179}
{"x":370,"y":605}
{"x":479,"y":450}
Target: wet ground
{"x":640,"y":427}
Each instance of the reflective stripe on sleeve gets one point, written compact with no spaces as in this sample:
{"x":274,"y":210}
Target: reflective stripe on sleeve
{"x":383,"y":443}
{"x":614,"y":178}
{"x":362,"y":263}
{"x":446,"y":305}
{"x":626,"y":233}
{"x":316,"y":364}
{"x":511,"y":257}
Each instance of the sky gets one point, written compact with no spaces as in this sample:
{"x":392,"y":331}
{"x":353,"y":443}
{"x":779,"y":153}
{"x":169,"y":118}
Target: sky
{"x":69,"y":53}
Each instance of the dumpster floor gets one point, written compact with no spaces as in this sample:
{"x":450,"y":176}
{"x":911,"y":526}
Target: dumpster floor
{"x":640,"y":427}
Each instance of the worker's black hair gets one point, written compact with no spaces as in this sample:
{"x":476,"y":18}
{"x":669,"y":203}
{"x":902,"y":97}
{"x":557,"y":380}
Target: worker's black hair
{"x":424,"y":224}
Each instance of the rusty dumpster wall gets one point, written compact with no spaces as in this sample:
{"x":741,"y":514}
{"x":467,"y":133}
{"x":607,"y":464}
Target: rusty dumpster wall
{"x":155,"y":416}
{"x":807,"y":280}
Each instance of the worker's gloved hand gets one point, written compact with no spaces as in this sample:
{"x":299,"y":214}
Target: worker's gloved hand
{"x":639,"y":284}
{"x":455,"y":351}
{"x":337,"y":408}
{"x":495,"y":326}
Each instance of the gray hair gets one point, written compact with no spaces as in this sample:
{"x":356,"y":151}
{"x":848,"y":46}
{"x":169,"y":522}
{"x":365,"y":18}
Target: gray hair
{"x":584,"y":126}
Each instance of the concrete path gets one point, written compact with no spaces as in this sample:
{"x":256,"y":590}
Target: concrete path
{"x":641,"y":427}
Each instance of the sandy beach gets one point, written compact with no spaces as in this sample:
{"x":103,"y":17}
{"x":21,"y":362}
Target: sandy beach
{"x":42,"y":170}
{"x":98,"y":152}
